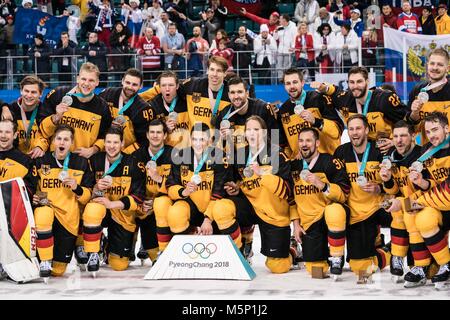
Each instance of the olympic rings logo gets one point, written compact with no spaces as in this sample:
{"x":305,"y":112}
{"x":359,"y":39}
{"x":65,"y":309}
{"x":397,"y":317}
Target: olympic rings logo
{"x":199,"y":250}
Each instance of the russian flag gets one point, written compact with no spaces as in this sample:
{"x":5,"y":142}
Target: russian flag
{"x":408,"y":50}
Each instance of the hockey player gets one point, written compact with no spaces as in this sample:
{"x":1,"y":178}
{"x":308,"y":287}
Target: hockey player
{"x":155,"y":161}
{"x":362,"y":161}
{"x":307,"y":109}
{"x":170,"y":107}
{"x":64,"y":182}
{"x":205,"y":97}
{"x":82,"y":110}
{"x":129,"y":111}
{"x":321,"y":187}
{"x":394,"y":173}
{"x":117,"y":193}
{"x":196,"y":186}
{"x":433,"y":95}
{"x":24,"y":112}
{"x":381,"y":108}
{"x":259,"y":193}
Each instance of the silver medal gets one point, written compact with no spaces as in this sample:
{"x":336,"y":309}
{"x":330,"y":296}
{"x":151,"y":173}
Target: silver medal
{"x":225,"y":124}
{"x":98,"y":193}
{"x":386,"y":204}
{"x":299,"y":109}
{"x":120,"y":120}
{"x":304,"y":173}
{"x":423,"y":96}
{"x":173,"y":116}
{"x":196,"y":179}
{"x":43,"y":200}
{"x":151,"y":165}
{"x":386,"y":163}
{"x":361,"y":181}
{"x":109,"y":179}
{"x":63,"y":175}
{"x":68,"y":100}
{"x":248,"y":172}
{"x":416,"y":166}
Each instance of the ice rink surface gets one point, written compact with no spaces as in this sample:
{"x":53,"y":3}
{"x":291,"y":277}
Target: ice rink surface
{"x":296,"y":284}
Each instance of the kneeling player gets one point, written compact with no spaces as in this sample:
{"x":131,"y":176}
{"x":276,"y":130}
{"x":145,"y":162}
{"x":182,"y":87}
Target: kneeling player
{"x":320,"y":187}
{"x":64,"y":179}
{"x":118,"y":192}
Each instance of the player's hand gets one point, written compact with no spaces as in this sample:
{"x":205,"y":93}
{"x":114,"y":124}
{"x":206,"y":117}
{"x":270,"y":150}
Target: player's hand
{"x":298,"y":231}
{"x":384,"y":145}
{"x":396,"y":206}
{"x":36,"y":152}
{"x":154,"y":175}
{"x":61,"y":109}
{"x":6,"y":114}
{"x":385,"y":174}
{"x":416,"y":106}
{"x":372,"y":187}
{"x":70,"y":182}
{"x":86,"y":152}
{"x":35,"y":199}
{"x":171,"y":124}
{"x":308,"y":116}
{"x":103,"y":184}
{"x":225,"y":132}
{"x":319,"y":86}
{"x":315,"y":181}
{"x":256,"y":168}
{"x":231,"y":188}
{"x":415,"y":177}
{"x":206,"y":227}
{"x":147,"y":205}
{"x":190,"y":188}
{"x":104,"y":201}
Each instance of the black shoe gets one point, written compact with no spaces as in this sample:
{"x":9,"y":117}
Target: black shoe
{"x":246,"y":250}
{"x":396,"y":266}
{"x":142,"y":254}
{"x":45,"y":269}
{"x":415,"y":277}
{"x":443,"y":274}
{"x":336,"y":265}
{"x":80,"y":255}
{"x":93,"y":263}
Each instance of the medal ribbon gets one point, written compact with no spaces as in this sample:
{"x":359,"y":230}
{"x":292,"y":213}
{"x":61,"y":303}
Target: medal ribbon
{"x":215,"y":103}
{"x":430,"y":152}
{"x":113,"y":166}
{"x":362,"y":165}
{"x":126,"y":106}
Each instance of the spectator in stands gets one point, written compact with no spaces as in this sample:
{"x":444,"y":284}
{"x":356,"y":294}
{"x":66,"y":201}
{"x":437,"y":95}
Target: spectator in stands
{"x":220,"y":12}
{"x":161,"y":26}
{"x":27,"y":4}
{"x":84,"y":10}
{"x":322,"y":41}
{"x":442,"y":20}
{"x":340,"y":7}
{"x":304,"y":49}
{"x":387,"y":19}
{"x":39,"y":53}
{"x":197,"y":49}
{"x":95,"y":52}
{"x":285,"y":36}
{"x":151,"y":14}
{"x":369,"y":48}
{"x":173,"y":46}
{"x":7,"y":8}
{"x":408,"y":21}
{"x":149,"y":48}
{"x":73,"y":25}
{"x":427,"y":21}
{"x":131,"y":15}
{"x":88,"y":18}
{"x":174,"y":10}
{"x":208,"y":23}
{"x":241,"y":43}
{"x":120,"y":45}
{"x":67,"y":48}
{"x":355,"y":21}
{"x":346,"y":49}
{"x":104,"y":22}
{"x":307,"y":11}
{"x":220,"y":34}
{"x":272,"y":23}
{"x":45,"y":6}
{"x":9,"y":32}
{"x":325,"y":17}
{"x":265,"y":48}
{"x":225,"y":52}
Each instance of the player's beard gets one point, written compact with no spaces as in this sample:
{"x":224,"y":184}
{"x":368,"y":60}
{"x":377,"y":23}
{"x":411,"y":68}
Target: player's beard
{"x":308,"y":154}
{"x":363,"y":93}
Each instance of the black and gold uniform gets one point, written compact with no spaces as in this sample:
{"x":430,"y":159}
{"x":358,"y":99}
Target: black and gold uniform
{"x":256,"y":107}
{"x":90,"y":120}
{"x":35,"y":138}
{"x":326,"y":121}
{"x":433,"y":224}
{"x":138,"y":116}
{"x":15,"y":164}
{"x":179,"y":138}
{"x":155,"y":231}
{"x":207,"y":200}
{"x":197,"y":98}
{"x":127,"y":187}
{"x":56,"y":237}
{"x":263,"y":200}
{"x":384,"y":109}
{"x":403,"y":228}
{"x":365,"y":213}
{"x":438,"y":101}
{"x":321,"y":212}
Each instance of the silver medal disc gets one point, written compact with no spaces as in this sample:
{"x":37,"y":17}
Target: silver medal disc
{"x":151,"y":164}
{"x":304,"y":173}
{"x":68,"y":100}
{"x":248,"y":172}
{"x":423,"y":96}
{"x":173,"y":115}
{"x":109,"y":179}
{"x":361,"y":181}
{"x":225,"y":124}
{"x":98,"y":193}
{"x":386,"y":163}
{"x":196,"y":179}
{"x":63,"y":175}
{"x":299,"y":109}
{"x":416,"y":166}
{"x":120,"y":120}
